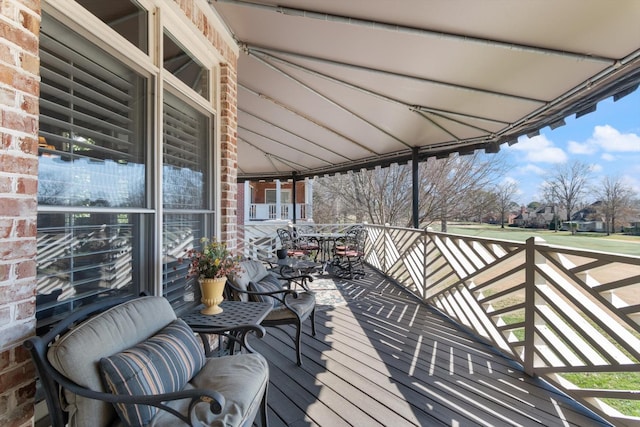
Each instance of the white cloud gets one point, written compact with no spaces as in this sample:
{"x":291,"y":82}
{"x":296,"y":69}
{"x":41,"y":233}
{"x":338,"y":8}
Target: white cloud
{"x":531,"y":169}
{"x":508,"y":180}
{"x":575,"y":147}
{"x":540,"y":150}
{"x":632,"y":181}
{"x":596,"y":168}
{"x":608,"y":157}
{"x":608,"y":139}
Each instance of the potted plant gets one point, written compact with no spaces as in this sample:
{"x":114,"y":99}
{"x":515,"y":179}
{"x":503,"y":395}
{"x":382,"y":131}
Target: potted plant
{"x":211,"y":265}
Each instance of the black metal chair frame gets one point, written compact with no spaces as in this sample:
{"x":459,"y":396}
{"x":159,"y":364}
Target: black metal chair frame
{"x":297,"y":245}
{"x":52,"y":381}
{"x":281,"y":296}
{"x":348,"y":252}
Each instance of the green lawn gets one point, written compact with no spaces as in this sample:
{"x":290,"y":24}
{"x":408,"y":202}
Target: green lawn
{"x":615,"y":243}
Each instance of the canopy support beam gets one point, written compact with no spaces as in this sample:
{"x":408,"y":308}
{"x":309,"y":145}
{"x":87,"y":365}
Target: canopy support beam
{"x":464,"y":38}
{"x":416,"y":186}
{"x":293,"y":195}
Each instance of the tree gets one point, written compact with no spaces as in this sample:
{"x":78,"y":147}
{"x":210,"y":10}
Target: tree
{"x":567,"y":186}
{"x":384,"y":195}
{"x":504,"y":198}
{"x":616,"y":199}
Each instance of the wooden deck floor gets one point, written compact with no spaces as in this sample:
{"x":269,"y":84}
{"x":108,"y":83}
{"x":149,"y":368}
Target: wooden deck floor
{"x":382,"y":358}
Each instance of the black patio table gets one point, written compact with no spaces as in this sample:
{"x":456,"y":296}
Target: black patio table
{"x":326,"y":240}
{"x":237,"y":319}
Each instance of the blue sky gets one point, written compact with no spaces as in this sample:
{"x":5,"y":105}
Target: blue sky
{"x":607,"y":139}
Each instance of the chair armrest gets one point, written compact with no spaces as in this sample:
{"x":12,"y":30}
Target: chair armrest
{"x":273,"y":294}
{"x":299,"y":280}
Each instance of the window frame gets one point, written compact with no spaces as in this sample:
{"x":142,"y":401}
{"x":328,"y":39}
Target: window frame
{"x":162,"y":16}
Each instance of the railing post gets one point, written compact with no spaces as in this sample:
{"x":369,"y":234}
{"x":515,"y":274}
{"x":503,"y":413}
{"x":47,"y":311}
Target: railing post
{"x":425,"y":265}
{"x":278,"y":201}
{"x":532,"y":257}
{"x":383,"y":260}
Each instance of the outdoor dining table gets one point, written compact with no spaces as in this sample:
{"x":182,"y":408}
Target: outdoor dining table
{"x":290,"y":265}
{"x":326,"y":242}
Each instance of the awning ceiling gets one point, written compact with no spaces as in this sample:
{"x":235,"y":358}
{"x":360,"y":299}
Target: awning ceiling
{"x":333,"y":85}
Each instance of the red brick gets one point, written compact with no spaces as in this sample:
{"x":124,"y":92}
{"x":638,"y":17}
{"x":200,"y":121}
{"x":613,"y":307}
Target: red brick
{"x":29,"y":63}
{"x":20,"y":354}
{"x":16,"y":334}
{"x":6,"y":228}
{"x":28,"y":186}
{"x":33,"y":5}
{"x":19,"y":121}
{"x":30,"y":22}
{"x":11,"y":206}
{"x":5,"y":269}
{"x":8,"y":9}
{"x":25,"y":310}
{"x":28,"y":145}
{"x":13,"y":294}
{"x":7,"y":97}
{"x":25,"y":39}
{"x":26,"y":269}
{"x":20,"y":249}
{"x":25,"y":228}
{"x":7,"y":140}
{"x":26,"y":392}
{"x":30,"y":105}
{"x":21,"y":165}
{"x":5,"y":359}
{"x":6,"y":185}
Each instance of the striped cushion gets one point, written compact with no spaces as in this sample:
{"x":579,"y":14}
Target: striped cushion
{"x":163,"y":363}
{"x":269,"y":283}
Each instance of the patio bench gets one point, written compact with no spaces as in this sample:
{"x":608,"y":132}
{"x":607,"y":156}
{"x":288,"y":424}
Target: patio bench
{"x":133,"y":359}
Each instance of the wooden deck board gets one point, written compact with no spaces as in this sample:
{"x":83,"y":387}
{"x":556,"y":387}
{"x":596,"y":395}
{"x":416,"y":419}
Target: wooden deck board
{"x":383,"y":358}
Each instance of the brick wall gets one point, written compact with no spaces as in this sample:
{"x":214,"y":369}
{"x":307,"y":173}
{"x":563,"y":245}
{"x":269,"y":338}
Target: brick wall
{"x":19,"y":89}
{"x":229,"y":156}
{"x":228,"y":122}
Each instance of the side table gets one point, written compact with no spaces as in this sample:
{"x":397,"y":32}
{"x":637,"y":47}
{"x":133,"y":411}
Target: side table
{"x":237,"y":319}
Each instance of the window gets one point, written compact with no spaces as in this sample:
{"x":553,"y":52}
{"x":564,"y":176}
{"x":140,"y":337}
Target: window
{"x":271,"y":196}
{"x":117,"y":208}
{"x":182,"y":65}
{"x":125,"y":17}
{"x":186,"y":193}
{"x":92,"y":161}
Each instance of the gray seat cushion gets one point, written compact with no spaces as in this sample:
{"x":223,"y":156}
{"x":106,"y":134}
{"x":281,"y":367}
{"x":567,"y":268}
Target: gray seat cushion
{"x":241,"y":379}
{"x":303,"y":305}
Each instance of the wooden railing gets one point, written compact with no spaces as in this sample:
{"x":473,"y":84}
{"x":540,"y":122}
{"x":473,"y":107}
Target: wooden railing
{"x":269,"y":211}
{"x":570,"y":316}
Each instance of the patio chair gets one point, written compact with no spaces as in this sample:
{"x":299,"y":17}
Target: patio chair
{"x":286,"y":242}
{"x":348,"y":253}
{"x":290,"y":307}
{"x":297,"y":246}
{"x":134,"y":359}
{"x":307,"y":244}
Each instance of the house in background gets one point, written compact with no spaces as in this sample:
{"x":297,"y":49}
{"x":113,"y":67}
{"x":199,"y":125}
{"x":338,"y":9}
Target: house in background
{"x":586,"y":219}
{"x":274,"y":201}
{"x":542,"y":217}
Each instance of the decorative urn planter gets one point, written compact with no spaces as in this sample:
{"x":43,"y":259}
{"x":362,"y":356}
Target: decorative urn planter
{"x":212,"y":290}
